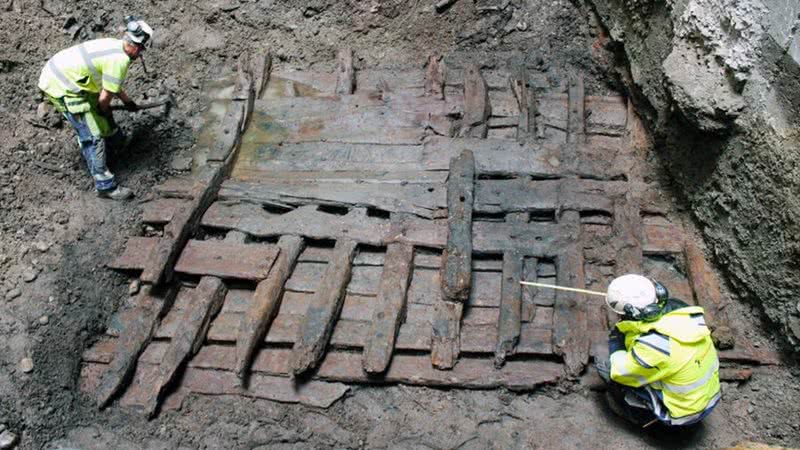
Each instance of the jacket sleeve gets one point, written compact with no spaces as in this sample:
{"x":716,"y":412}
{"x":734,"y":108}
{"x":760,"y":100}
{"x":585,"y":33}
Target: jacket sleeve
{"x":638,"y":366}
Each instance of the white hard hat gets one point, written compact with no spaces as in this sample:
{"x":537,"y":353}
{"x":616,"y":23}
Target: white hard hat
{"x":630,"y":289}
{"x":137,"y":31}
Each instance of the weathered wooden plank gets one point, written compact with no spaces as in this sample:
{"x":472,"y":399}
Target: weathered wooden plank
{"x":390,"y":309}
{"x":421,"y":199}
{"x":227,"y":259}
{"x":135,"y":255}
{"x":345,"y":72}
{"x":457,"y":264}
{"x":476,"y":104}
{"x":160,"y":210}
{"x":206,"y":302}
{"x":471,"y":372}
{"x":324,"y":156}
{"x":662,"y":238}
{"x":445,"y":334}
{"x":265,"y":303}
{"x":175,"y":187}
{"x":139,"y":322}
{"x":495,"y":156}
{"x":306,"y":277}
{"x":570,"y":339}
{"x":576,"y":122}
{"x":324,"y":310}
{"x":607,"y":115}
{"x":509,"y":325}
{"x":434,"y":77}
{"x":707,"y":293}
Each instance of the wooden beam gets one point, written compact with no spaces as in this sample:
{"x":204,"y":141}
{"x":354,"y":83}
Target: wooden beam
{"x":477,"y":108}
{"x":509,"y":325}
{"x":446,"y":333}
{"x":529,"y":273}
{"x":570,"y":339}
{"x":345,"y":73}
{"x":261,"y":68}
{"x":526,"y":101}
{"x":139,"y":324}
{"x":457,"y":266}
{"x":576,"y":111}
{"x":265,"y":303}
{"x":434,"y":77}
{"x":389,"y":309}
{"x":206,"y":302}
{"x":324,"y":310}
{"x":707,"y":293}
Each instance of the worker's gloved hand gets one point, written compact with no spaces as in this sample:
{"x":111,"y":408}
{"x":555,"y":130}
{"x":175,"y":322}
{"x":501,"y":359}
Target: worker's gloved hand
{"x":616,"y":341}
{"x":131,"y":106}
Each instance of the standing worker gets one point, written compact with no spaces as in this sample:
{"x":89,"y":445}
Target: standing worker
{"x":663,"y":365}
{"x":81,"y":82}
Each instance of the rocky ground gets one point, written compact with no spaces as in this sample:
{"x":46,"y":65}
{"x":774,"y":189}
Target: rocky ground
{"x":56,"y":236}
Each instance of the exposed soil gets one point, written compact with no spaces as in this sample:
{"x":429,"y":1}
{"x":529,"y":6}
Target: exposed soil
{"x":56,"y":236}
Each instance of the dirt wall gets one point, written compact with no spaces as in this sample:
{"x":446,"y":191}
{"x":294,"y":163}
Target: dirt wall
{"x":717,"y":82}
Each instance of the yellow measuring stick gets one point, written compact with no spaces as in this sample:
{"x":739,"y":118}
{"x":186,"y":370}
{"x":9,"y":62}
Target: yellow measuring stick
{"x":562,"y":288}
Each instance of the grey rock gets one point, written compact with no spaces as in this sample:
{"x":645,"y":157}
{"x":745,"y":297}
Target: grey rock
{"x":8,"y":440}
{"x":182,"y":163}
{"x":29,"y":274}
{"x":44,"y":320}
{"x":134,"y":287}
{"x":12,"y":294}
{"x":26,"y":365}
{"x":42,"y":246}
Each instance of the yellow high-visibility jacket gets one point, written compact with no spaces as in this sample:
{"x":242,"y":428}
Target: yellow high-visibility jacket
{"x":86,"y":68}
{"x":674,"y":359}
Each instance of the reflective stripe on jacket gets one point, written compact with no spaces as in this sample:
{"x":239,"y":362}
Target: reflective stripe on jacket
{"x":87,"y":67}
{"x":675,"y":360}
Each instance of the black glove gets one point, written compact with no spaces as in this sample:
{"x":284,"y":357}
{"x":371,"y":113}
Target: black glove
{"x":616,"y":341}
{"x":131,"y":106}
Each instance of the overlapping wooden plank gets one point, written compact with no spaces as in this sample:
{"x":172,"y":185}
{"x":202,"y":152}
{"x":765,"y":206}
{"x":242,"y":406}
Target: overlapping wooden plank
{"x":306,"y":278}
{"x":457,"y":264}
{"x":476,"y":104}
{"x":570,"y":339}
{"x":494,"y":156}
{"x":175,"y":187}
{"x":345,"y":72}
{"x":139,"y":324}
{"x":265,"y":303}
{"x":390,"y":308}
{"x":207,"y":300}
{"x":421,"y":199}
{"x":471,"y":372}
{"x":627,"y":229}
{"x":227,"y":259}
{"x":576,"y":122}
{"x":509,"y":325}
{"x":434,"y":77}
{"x":322,"y":313}
{"x":135,"y":255}
{"x":323,"y":156}
{"x":496,"y":196}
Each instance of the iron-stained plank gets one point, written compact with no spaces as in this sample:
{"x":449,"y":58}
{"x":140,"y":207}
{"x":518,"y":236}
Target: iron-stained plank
{"x":321,"y":315}
{"x":265,"y":303}
{"x":390,"y":308}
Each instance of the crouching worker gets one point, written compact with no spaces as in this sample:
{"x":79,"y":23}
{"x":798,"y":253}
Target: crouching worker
{"x":663,"y":365}
{"x":81,"y":82}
